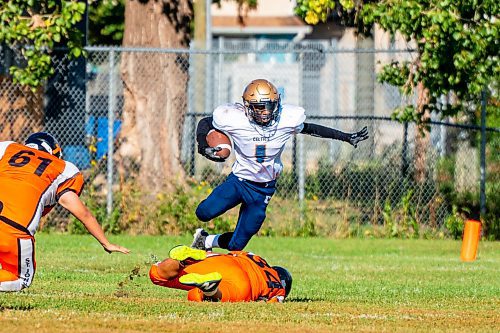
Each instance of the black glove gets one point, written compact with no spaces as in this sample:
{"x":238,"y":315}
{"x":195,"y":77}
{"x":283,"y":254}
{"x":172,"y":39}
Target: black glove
{"x":362,"y":135}
{"x":209,"y":152}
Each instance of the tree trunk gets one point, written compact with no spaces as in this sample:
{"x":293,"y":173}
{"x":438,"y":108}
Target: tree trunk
{"x":422,"y":136}
{"x":21,"y":111}
{"x":155,"y":91}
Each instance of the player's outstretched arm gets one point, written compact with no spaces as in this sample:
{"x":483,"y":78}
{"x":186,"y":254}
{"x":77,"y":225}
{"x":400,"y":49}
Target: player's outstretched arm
{"x":331,"y":133}
{"x":75,"y":206}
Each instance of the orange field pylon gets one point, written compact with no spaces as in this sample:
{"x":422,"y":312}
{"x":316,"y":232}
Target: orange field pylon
{"x":470,"y":242}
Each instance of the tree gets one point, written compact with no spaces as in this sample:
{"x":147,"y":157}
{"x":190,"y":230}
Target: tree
{"x":156,"y":89}
{"x":29,"y":32}
{"x":457,"y":48}
{"x":106,"y":22}
{"x":33,"y":28}
{"x":346,"y":12}
{"x":457,"y":54}
{"x":153,"y":111}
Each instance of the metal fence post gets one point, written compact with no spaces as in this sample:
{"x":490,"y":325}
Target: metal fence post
{"x":300,"y":146}
{"x":192,"y":146}
{"x":482,"y":190}
{"x":111,"y":122}
{"x":334,"y":150}
{"x":209,"y":91}
{"x":191,"y":110}
{"x":219,"y":80}
{"x":302,"y":174}
{"x":404,"y":152}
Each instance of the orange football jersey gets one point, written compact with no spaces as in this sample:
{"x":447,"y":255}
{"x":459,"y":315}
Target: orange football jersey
{"x":265,"y":282}
{"x":31,"y":182}
{"x":245,"y":277}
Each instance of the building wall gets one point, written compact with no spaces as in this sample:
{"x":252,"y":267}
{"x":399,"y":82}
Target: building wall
{"x":264,"y":8}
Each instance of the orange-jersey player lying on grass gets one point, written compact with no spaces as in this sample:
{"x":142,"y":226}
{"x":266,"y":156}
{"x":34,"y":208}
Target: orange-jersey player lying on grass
{"x":237,"y":276}
{"x":33,"y":178}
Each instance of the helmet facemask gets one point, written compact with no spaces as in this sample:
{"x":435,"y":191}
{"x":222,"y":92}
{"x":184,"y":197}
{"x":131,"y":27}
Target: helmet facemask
{"x":263,"y":113}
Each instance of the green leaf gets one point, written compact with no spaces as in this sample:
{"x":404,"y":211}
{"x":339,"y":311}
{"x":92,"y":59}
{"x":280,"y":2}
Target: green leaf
{"x":16,"y":27}
{"x":76,"y":52}
{"x":347,"y":4}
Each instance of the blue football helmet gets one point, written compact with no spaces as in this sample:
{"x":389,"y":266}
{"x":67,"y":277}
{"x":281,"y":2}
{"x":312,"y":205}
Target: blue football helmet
{"x":45,"y":142}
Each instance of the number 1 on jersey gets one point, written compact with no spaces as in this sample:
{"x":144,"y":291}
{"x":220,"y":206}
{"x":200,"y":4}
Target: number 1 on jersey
{"x":42,"y":166}
{"x":260,"y":152}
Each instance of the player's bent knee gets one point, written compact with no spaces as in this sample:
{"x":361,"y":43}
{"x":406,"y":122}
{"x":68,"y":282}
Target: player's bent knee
{"x":203,"y":214}
{"x":260,"y":217}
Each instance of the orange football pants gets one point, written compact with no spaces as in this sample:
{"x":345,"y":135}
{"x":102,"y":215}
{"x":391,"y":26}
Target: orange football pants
{"x":235,"y":285}
{"x":17,"y":260}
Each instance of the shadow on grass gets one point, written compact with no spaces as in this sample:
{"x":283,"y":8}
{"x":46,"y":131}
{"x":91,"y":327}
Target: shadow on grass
{"x":303,"y":300}
{"x":19,"y":307}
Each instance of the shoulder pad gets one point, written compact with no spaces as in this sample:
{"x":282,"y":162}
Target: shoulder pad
{"x":292,"y":115}
{"x":3,"y":147}
{"x":229,"y":116}
{"x":70,"y":170}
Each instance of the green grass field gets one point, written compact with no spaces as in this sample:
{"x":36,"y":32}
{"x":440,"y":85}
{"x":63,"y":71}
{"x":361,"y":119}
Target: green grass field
{"x":350,"y":285}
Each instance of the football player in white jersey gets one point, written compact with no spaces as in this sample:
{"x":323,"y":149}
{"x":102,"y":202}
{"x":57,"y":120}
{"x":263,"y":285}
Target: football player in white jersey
{"x":259,"y":128}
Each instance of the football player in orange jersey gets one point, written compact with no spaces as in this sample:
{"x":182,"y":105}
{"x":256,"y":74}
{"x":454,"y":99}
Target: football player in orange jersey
{"x":33,"y":178}
{"x":237,"y":276}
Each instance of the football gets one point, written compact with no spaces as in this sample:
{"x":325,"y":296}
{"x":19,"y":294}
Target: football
{"x":216,"y":138}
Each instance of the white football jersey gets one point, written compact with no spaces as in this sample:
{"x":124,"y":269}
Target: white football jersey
{"x":258,"y":149}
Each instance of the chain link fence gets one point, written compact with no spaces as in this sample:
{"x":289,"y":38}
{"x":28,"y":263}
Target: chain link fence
{"x":397,"y":170}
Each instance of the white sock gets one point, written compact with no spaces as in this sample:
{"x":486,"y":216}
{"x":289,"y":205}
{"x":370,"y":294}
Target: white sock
{"x":211,"y":293}
{"x":212,"y":241}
